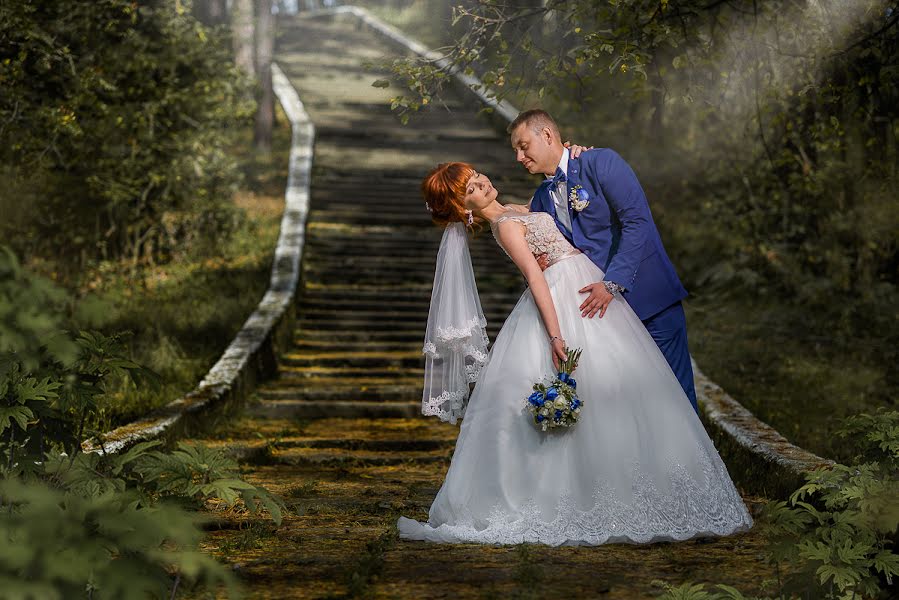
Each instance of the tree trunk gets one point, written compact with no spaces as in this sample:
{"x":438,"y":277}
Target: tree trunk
{"x":242,"y":32}
{"x":265,"y":45}
{"x":211,"y":12}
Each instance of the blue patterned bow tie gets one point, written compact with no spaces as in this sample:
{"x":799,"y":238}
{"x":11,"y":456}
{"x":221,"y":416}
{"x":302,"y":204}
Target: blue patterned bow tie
{"x":559,"y":177}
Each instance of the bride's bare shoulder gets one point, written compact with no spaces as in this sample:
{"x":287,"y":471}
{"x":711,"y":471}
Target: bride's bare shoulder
{"x":507,"y":225}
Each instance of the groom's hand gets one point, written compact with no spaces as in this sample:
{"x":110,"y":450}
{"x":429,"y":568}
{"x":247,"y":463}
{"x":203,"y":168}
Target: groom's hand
{"x":543,"y":261}
{"x":598,"y":300}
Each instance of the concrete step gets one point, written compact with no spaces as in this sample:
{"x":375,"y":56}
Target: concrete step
{"x":342,"y":274}
{"x":332,"y":456}
{"x":312,"y":334}
{"x":345,"y":297}
{"x":349,"y":372}
{"x":292,"y":379}
{"x":319,"y":409}
{"x":322,"y":345}
{"x":387,"y":312}
{"x":358,"y":326}
{"x":366,"y":327}
{"x":330,"y":274}
{"x":378,"y":393}
{"x":354,"y":359}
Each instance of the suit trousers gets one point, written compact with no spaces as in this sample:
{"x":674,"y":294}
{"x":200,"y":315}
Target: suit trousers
{"x":669,"y":330}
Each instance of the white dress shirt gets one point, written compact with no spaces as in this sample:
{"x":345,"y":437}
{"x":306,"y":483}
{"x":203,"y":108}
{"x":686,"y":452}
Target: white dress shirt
{"x":559,"y":194}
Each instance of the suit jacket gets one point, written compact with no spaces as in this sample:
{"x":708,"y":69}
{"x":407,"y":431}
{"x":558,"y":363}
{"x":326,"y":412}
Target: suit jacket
{"x":616,"y":230}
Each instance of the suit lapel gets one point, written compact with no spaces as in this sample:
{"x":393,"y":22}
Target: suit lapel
{"x":545,"y":201}
{"x":548,"y":206}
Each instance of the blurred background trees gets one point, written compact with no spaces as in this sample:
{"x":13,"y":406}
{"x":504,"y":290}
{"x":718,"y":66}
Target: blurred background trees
{"x":114,"y":117}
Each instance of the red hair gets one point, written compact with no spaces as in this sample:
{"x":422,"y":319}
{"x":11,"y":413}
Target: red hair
{"x":444,"y":192}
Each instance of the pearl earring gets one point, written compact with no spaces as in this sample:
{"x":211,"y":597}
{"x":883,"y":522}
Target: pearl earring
{"x":470,"y":217}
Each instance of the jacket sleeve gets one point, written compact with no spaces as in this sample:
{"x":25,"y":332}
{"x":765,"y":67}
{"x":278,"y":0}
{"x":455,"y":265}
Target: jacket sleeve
{"x":626,"y":198}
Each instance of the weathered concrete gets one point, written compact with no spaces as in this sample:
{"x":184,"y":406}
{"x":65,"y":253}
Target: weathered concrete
{"x":758,"y":457}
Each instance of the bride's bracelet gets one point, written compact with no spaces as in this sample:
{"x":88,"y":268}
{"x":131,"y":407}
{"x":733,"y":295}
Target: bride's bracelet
{"x":554,"y":338}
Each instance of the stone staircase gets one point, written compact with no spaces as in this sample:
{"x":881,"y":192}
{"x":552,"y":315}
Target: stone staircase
{"x":339,"y":434}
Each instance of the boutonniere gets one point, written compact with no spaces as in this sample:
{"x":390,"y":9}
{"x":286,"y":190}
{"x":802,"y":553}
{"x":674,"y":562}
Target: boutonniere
{"x":578,"y":198}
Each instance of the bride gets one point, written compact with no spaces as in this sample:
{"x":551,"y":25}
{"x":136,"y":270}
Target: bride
{"x":637,"y":467}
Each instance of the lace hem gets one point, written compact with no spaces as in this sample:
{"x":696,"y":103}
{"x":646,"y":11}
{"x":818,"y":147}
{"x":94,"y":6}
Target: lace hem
{"x":448,"y":406}
{"x":457,"y":338}
{"x":693,"y":508}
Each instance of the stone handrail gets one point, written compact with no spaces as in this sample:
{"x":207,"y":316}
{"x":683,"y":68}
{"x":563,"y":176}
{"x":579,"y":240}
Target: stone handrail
{"x":253,"y":354}
{"x":760,"y":458}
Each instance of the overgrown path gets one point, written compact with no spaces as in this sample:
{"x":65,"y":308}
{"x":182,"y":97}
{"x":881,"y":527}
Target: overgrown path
{"x":339,"y":434}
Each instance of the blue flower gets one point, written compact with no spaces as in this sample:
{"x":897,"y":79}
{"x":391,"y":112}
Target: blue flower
{"x":540,"y":418}
{"x":552,"y":393}
{"x":582,"y":194}
{"x":558,"y":415}
{"x":567,"y":378}
{"x":536,"y":398}
{"x":575,"y":403}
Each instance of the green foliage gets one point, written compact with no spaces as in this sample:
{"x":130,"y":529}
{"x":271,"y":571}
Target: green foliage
{"x":697,"y":591}
{"x":197,"y":472}
{"x":841,"y":526}
{"x":114,"y":118}
{"x":26,"y":403}
{"x":876,"y":438}
{"x":56,"y":408}
{"x":77,"y":525}
{"x":838,"y":532}
{"x":30,"y":308}
{"x":62,"y":545}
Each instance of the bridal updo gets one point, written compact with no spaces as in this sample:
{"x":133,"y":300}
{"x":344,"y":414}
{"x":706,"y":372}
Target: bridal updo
{"x":444,"y":193}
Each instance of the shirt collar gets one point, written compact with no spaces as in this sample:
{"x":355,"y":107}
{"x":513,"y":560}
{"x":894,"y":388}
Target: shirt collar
{"x":563,"y":163}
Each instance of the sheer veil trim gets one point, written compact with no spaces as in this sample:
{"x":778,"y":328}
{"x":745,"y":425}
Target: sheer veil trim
{"x":455,"y":345}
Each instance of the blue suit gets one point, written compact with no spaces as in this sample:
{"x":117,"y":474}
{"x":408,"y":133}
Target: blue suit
{"x":617,"y":232}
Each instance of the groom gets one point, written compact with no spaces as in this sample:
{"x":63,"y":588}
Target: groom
{"x":599,"y":206}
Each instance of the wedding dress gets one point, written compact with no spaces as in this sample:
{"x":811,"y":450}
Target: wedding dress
{"x":638,"y":467}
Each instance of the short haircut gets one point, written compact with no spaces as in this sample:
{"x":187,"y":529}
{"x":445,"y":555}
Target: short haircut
{"x":536,"y":119}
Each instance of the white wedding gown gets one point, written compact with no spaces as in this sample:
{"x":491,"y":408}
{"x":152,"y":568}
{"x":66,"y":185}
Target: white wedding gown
{"x":638,"y":467}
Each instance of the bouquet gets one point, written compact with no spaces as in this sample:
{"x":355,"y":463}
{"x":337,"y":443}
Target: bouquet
{"x":554,"y":403}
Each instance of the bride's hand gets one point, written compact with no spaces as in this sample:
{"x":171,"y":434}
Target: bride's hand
{"x":558,"y":348}
{"x":575,"y":150}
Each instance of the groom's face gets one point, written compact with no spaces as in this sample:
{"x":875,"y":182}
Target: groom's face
{"x":534,"y":150}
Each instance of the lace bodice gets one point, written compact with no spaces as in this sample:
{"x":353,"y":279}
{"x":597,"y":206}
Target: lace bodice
{"x":541,"y":234}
